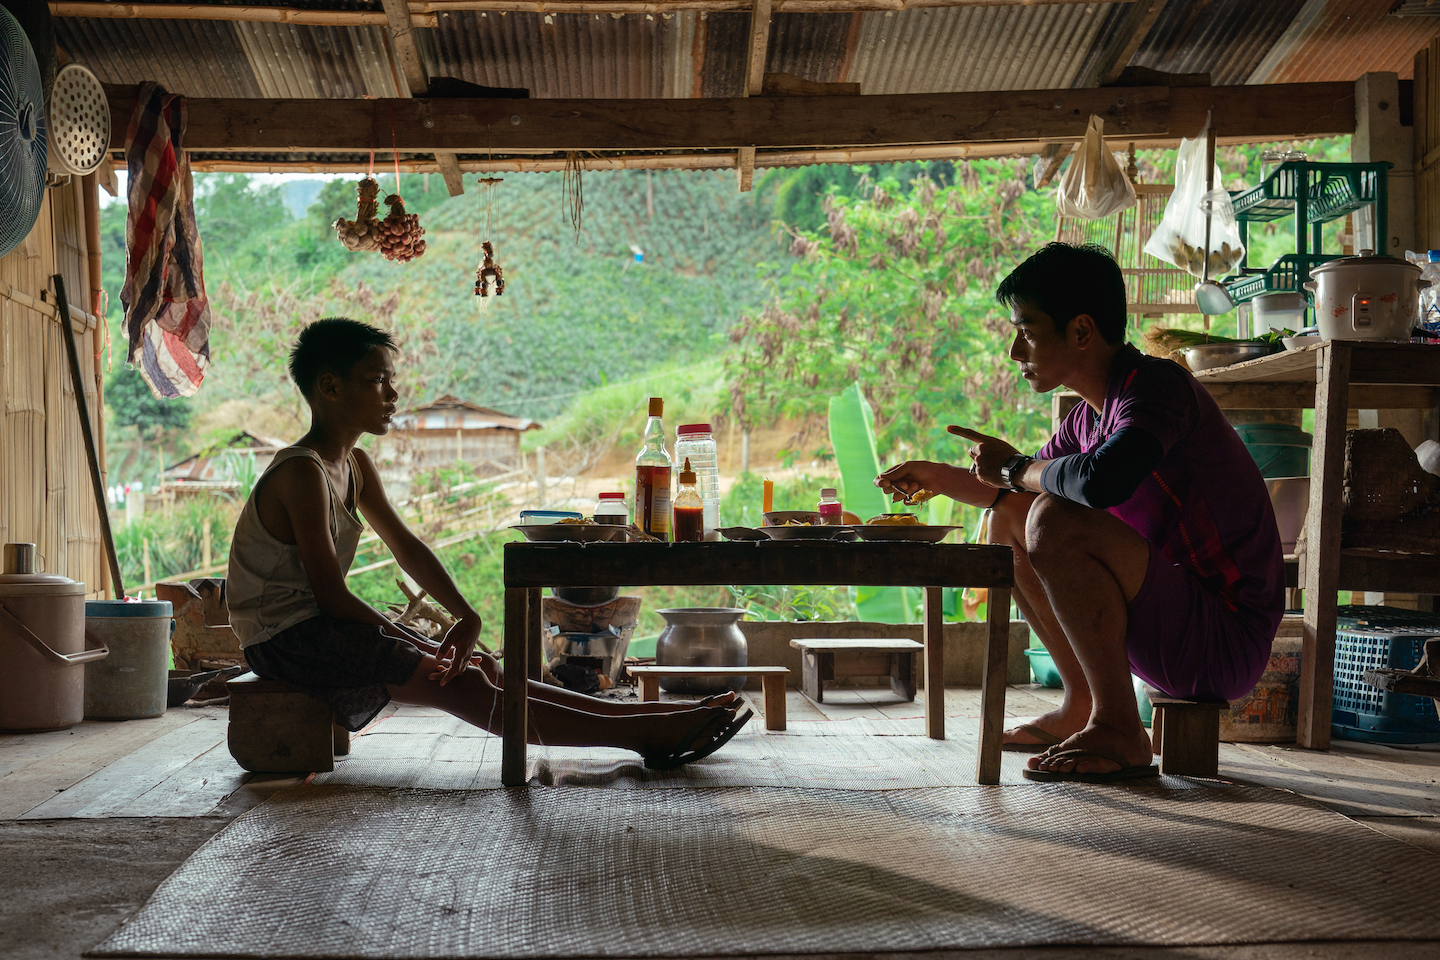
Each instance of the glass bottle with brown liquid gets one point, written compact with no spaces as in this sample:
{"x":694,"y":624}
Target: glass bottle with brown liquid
{"x":652,"y":477}
{"x":689,"y":509}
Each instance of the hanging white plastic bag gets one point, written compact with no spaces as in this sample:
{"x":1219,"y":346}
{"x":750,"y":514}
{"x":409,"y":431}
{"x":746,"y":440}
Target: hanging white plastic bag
{"x":1094,"y":186}
{"x":1180,"y":236}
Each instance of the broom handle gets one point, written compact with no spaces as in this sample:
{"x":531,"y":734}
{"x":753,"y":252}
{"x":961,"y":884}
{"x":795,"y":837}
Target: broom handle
{"x":83,"y":406}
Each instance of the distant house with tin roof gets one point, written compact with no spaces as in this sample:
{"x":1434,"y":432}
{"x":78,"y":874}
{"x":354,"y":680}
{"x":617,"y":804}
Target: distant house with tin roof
{"x":450,"y":430}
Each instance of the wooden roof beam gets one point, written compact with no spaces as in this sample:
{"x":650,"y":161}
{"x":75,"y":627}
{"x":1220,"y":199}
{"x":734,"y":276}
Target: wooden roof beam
{"x":405,"y":53}
{"x":1275,"y":111}
{"x":759,"y":45}
{"x":427,"y":14}
{"x":1117,"y":48}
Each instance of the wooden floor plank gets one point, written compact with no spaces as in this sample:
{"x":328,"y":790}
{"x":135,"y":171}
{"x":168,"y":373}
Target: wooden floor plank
{"x":110,"y":789}
{"x":194,"y":790}
{"x":40,"y":781}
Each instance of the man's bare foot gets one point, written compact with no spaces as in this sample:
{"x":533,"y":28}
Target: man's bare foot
{"x":1133,"y":746}
{"x":1059,"y":724}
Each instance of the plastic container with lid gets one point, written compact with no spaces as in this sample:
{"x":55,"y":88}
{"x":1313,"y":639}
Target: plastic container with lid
{"x":611,"y":508}
{"x":696,"y":442}
{"x":829,"y":507}
{"x":133,"y":682}
{"x":42,"y":645}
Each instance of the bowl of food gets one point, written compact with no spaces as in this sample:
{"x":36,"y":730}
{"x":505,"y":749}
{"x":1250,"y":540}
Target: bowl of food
{"x":581,"y":531}
{"x":780,"y":518}
{"x":804,"y":531}
{"x":916,"y":532}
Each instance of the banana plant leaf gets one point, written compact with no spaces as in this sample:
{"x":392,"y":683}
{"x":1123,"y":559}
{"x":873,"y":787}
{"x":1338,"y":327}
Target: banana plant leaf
{"x":853,"y":438}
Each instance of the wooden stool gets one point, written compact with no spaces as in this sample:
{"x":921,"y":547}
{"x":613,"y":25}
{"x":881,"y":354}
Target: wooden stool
{"x":771,"y":678}
{"x":1186,"y":734}
{"x":277,"y":728}
{"x":833,"y":659}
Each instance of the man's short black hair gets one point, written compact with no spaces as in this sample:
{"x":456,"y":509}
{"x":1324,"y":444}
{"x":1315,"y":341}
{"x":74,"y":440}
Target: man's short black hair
{"x":1065,"y":281}
{"x":333,"y":345}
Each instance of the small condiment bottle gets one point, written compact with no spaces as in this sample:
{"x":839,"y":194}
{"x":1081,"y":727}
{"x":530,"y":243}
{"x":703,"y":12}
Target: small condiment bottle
{"x":689,"y":509}
{"x":829,"y":507}
{"x":612,"y":509}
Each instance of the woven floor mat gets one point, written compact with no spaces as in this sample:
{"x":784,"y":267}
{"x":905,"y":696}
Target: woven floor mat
{"x":862,"y":754}
{"x":335,"y":871}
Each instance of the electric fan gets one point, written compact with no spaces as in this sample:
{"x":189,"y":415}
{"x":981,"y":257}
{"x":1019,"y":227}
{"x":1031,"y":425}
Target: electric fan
{"x":22,"y":135}
{"x":79,"y":114}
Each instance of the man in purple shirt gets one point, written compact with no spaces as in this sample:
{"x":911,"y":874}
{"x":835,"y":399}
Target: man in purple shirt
{"x":1143,"y":534}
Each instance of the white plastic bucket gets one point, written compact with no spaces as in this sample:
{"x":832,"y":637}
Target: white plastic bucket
{"x":133,"y":681}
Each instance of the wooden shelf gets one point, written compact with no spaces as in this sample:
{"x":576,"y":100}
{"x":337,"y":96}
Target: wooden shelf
{"x":1371,"y":362}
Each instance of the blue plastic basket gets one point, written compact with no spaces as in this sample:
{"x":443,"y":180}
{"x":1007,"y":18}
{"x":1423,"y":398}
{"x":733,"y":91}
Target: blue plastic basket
{"x":1372,"y":638}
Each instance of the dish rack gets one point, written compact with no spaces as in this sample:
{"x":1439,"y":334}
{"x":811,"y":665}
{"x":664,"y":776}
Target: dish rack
{"x":1315,"y":193}
{"x":1150,"y":290}
{"x":1372,"y":638}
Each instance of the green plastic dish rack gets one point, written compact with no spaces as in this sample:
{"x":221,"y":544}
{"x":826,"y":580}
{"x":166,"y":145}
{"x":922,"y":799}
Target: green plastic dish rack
{"x":1331,"y":190}
{"x":1370,"y":638}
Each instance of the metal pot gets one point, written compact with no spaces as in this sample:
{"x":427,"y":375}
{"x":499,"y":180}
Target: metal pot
{"x":42,"y":646}
{"x":701,"y":637}
{"x":1366,"y":297}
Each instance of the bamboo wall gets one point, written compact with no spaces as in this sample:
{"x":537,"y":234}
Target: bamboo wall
{"x":46,"y":494}
{"x":1427,"y":147}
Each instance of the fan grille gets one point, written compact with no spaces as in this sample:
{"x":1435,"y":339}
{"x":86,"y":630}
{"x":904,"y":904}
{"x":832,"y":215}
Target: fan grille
{"x":22,"y":135}
{"x":79,"y":120}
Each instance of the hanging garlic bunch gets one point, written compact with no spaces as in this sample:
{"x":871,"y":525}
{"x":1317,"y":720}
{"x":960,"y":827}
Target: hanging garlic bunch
{"x":362,"y":233}
{"x":401,"y":236}
{"x":487,"y":271}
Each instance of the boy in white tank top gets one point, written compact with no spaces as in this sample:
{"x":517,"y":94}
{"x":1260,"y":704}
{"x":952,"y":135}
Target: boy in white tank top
{"x":299,"y":623}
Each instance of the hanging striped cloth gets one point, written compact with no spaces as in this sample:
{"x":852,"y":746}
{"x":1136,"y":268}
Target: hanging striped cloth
{"x":167,"y":315}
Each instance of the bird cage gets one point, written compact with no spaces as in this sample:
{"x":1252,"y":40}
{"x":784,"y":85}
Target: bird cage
{"x":1152,"y":287}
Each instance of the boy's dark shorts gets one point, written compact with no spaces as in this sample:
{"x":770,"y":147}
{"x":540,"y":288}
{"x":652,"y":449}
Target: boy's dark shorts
{"x":350,"y":664}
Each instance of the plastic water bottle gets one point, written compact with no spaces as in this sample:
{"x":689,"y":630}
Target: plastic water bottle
{"x":696,"y":442}
{"x":1430,"y":297}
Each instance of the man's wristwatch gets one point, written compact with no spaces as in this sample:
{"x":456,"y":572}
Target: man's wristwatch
{"x":1013,"y":470}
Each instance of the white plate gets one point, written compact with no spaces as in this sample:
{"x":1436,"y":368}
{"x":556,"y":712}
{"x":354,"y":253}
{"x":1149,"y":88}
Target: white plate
{"x":815,"y":531}
{"x":572,"y":532}
{"x":924,"y":533}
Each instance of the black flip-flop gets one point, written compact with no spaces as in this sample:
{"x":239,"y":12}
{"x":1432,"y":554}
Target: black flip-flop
{"x":1126,"y":772}
{"x":681,"y":757}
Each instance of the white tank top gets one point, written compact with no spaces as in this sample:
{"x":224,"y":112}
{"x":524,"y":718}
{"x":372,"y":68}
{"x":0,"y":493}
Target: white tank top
{"x":267,"y":585}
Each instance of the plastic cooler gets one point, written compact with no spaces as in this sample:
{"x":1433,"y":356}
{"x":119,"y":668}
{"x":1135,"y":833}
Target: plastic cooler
{"x":1371,"y":638}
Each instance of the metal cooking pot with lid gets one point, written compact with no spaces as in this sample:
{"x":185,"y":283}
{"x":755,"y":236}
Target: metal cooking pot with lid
{"x":42,"y":646}
{"x":1366,"y":297}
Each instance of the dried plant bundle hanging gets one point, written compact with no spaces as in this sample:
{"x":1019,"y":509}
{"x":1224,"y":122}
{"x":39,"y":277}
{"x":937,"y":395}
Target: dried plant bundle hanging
{"x":362,"y":233}
{"x":401,"y":236}
{"x":574,"y":191}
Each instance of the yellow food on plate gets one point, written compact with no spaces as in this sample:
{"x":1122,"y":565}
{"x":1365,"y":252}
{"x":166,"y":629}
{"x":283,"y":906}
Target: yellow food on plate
{"x":797,"y":523}
{"x":894,"y":520}
{"x":917,"y":498}
{"x":577,"y":521}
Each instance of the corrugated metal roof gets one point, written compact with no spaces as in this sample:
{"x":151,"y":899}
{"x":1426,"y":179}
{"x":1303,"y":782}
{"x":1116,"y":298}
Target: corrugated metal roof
{"x":554,"y":55}
{"x":810,"y":45}
{"x":1224,"y":38}
{"x":937,"y":50}
{"x":1343,"y":39}
{"x":199,"y":58}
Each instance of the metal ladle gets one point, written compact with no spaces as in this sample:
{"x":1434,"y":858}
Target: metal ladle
{"x":1210,"y":297}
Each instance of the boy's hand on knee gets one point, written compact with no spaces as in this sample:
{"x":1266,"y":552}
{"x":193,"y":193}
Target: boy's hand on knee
{"x":457,"y":648}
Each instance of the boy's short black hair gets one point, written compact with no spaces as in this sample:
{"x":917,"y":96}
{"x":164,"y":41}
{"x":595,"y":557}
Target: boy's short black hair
{"x":333,"y":345}
{"x":1066,"y":281}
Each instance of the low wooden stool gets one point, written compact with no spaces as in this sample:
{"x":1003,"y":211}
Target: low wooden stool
{"x":771,"y":678}
{"x":277,"y":728}
{"x":825,"y":659}
{"x":1186,"y":734}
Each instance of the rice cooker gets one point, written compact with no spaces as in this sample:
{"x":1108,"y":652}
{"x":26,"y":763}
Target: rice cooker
{"x":1366,"y":297}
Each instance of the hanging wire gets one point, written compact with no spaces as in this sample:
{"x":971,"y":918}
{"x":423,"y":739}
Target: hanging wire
{"x":573,"y":203}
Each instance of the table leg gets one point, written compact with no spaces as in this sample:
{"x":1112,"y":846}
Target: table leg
{"x":515,"y":713}
{"x":532,"y":635}
{"x":1322,"y":550}
{"x":774,"y":687}
{"x":649,"y":688}
{"x":992,"y":693}
{"x":935,"y":663}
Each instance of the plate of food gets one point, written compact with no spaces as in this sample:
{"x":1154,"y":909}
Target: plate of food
{"x":804,"y":531}
{"x":576,"y":531}
{"x":741,"y":533}
{"x":902,"y":526}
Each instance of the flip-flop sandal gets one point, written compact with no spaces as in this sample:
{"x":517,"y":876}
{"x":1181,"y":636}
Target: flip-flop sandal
{"x":1043,"y":739}
{"x":1126,"y":772}
{"x":681,"y":757}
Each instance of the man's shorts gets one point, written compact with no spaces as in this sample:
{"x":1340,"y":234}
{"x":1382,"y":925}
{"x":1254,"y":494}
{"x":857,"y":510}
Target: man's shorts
{"x":1186,"y":641}
{"x":350,"y":664}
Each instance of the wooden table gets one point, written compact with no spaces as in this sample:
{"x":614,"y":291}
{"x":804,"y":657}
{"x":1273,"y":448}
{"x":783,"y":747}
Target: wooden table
{"x":529,"y":567}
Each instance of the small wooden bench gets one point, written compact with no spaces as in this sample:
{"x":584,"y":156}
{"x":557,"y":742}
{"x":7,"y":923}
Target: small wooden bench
{"x":1186,"y":734}
{"x":771,"y":678}
{"x":826,"y":659}
{"x":277,"y":728}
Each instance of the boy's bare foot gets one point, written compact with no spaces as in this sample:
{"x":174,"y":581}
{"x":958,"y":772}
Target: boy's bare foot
{"x":1134,"y":747}
{"x":653,"y":735}
{"x":1058,"y":724}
